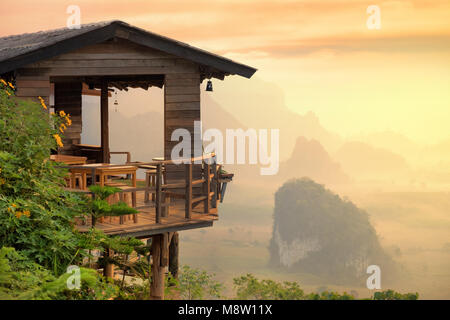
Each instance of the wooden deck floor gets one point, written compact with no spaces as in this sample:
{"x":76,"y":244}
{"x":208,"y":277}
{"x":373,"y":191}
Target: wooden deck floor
{"x":147,"y":226}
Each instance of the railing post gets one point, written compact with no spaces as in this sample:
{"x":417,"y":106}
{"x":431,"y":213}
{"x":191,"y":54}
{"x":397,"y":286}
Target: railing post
{"x":207,"y":185}
{"x":214,"y":183}
{"x":188,"y":204}
{"x":158,"y":193}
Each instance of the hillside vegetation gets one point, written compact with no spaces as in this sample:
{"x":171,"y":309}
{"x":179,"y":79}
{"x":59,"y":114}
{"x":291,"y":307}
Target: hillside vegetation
{"x":318,"y":232}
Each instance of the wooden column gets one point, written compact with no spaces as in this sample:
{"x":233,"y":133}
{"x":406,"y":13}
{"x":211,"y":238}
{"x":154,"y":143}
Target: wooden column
{"x":108,"y":270}
{"x":173,"y":255}
{"x":104,"y":117}
{"x":181,"y":109}
{"x":160,"y":259}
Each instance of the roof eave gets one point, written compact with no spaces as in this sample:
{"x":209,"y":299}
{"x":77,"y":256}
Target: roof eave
{"x":85,"y":39}
{"x":122,"y":30}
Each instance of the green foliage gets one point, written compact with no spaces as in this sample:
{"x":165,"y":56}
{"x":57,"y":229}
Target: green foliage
{"x":326,"y":295}
{"x":306,"y":213}
{"x":392,"y":295}
{"x":98,"y":206}
{"x":22,"y":279}
{"x":36,"y":214}
{"x":35,"y":211}
{"x":250,"y":288}
{"x":103,"y":192}
{"x":195,"y":284}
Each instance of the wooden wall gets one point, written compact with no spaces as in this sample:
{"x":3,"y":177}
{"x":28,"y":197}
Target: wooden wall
{"x":122,"y":57}
{"x":114,"y":57}
{"x":33,"y":85}
{"x":181,"y":109}
{"x":68,"y":99}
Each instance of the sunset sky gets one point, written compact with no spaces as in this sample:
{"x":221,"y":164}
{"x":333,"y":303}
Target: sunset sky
{"x":319,"y":52}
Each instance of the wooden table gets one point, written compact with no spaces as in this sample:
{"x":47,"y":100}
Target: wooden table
{"x":102,"y":170}
{"x":69,"y":160}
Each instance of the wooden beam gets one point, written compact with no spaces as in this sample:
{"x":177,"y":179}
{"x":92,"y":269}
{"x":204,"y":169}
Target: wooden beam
{"x":157,"y":283}
{"x":188,"y":204}
{"x":108,"y":270}
{"x":104,"y":115}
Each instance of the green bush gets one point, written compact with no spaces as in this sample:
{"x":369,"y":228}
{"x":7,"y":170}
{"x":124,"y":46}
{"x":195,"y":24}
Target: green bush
{"x":22,"y":279}
{"x":36,"y":213}
{"x":250,"y":288}
{"x":195,"y":284}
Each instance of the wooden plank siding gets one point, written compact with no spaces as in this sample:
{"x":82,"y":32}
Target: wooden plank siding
{"x":113,"y":57}
{"x":181,"y":109}
{"x":32,"y":87}
{"x":122,"y":57}
{"x":68,"y":99}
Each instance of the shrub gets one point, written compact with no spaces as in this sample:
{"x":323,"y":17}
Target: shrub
{"x":35,"y":211}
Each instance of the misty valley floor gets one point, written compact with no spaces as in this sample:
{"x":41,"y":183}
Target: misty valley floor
{"x":413,"y":227}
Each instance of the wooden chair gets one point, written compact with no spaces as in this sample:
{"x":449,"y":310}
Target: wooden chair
{"x":150,"y":181}
{"x":72,"y":180}
{"x":123,"y":197}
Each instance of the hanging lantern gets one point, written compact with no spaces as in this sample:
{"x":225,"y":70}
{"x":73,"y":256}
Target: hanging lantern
{"x":209,"y":86}
{"x":116,"y":103}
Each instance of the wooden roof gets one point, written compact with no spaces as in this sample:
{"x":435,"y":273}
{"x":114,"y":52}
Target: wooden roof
{"x":19,"y":50}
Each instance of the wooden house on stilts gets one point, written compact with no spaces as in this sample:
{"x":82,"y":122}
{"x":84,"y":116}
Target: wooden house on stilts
{"x":61,"y":65}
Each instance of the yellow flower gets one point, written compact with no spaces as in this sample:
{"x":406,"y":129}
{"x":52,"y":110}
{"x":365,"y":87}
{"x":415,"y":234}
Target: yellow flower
{"x":62,"y":114}
{"x":4,"y":82}
{"x":58,"y":140}
{"x":14,"y":205}
{"x":18,"y":214}
{"x":9,"y":209}
{"x":11,"y":85}
{"x":8,"y":93}
{"x":68,"y":121}
{"x":62,"y":127}
{"x":2,"y":181}
{"x":26,"y":213}
{"x":42,"y":103}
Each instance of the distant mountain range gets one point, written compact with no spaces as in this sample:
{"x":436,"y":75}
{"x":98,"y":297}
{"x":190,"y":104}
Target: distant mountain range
{"x":306,"y":147}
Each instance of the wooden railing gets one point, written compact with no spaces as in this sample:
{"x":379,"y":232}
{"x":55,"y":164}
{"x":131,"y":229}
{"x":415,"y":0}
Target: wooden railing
{"x":207,"y":184}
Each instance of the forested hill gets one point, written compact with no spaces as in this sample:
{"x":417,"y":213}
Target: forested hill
{"x":316,"y":231}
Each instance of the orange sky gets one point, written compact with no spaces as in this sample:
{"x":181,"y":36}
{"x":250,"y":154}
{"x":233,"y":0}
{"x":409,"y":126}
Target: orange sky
{"x":319,"y":52}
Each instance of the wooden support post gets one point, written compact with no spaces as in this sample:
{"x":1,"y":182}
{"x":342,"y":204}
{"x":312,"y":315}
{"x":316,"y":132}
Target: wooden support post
{"x":159,"y":250}
{"x":108,"y":270}
{"x":188,"y":204}
{"x":214,"y":183}
{"x":165,"y":250}
{"x":158,"y":206}
{"x":173,"y":255}
{"x":207,"y":187}
{"x":104,"y":116}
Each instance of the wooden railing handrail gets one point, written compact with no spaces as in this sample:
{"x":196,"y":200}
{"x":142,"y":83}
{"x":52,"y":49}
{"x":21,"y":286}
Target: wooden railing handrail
{"x":208,"y":181}
{"x":137,"y":164}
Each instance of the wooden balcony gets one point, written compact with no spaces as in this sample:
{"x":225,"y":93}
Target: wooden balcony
{"x":178,"y":205}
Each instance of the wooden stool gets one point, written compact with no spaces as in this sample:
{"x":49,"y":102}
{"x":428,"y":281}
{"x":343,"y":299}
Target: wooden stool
{"x":72,"y":179}
{"x":122,"y":197}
